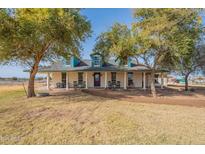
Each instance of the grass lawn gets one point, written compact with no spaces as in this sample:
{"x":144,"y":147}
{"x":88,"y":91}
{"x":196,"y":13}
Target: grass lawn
{"x":81,"y":118}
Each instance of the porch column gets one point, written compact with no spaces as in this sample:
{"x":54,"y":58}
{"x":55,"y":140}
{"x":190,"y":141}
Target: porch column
{"x":67,"y":81}
{"x":86,"y":80}
{"x":48,"y":81}
{"x":144,"y":80}
{"x":125,"y":80}
{"x":105,"y":79}
{"x":162,"y":81}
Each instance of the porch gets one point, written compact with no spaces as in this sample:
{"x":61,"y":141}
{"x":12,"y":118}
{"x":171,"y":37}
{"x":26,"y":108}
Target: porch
{"x":103,"y":80}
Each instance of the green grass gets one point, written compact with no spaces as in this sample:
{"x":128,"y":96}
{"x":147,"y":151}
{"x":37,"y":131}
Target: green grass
{"x":80,"y":118}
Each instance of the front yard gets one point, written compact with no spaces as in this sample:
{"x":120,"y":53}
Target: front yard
{"x":82,"y":118}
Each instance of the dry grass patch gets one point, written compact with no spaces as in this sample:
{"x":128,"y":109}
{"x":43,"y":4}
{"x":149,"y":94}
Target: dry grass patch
{"x":80,"y":118}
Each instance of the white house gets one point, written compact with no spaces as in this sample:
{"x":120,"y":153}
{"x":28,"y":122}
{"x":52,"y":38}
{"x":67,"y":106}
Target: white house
{"x":96,"y":74}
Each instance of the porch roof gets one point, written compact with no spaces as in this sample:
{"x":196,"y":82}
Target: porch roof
{"x":68,"y":68}
{"x":86,"y":66}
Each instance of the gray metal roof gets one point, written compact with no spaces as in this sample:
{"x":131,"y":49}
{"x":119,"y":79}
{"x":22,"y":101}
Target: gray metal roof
{"x":86,"y":65}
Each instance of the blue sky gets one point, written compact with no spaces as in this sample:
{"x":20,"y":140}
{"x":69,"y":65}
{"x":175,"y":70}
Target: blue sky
{"x":101,"y":20}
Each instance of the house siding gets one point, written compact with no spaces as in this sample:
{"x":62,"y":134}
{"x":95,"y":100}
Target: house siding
{"x":90,"y":80}
{"x":137,"y":79}
{"x":120,"y":77}
{"x":73,"y":76}
{"x":56,"y":77}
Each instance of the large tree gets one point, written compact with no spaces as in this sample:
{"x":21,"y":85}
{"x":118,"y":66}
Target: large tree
{"x":164,"y":34}
{"x":33,"y":36}
{"x":190,"y":62}
{"x":116,"y":42}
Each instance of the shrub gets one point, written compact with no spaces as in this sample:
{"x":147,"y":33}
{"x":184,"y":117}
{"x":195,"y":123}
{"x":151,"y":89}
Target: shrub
{"x":14,"y":78}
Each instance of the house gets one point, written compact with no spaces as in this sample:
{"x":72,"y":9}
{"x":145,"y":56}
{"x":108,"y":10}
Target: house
{"x":95,"y":73}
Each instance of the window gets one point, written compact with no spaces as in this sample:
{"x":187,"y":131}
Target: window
{"x":96,"y":61}
{"x":63,"y":75}
{"x":130,"y":75}
{"x":80,"y":77}
{"x":113,"y":77}
{"x":63,"y":79}
{"x":130,"y":78}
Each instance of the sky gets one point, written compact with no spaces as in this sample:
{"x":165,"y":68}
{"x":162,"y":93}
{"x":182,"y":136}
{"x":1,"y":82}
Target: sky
{"x":101,"y":20}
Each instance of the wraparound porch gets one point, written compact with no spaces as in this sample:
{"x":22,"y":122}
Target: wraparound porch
{"x":104,"y":79}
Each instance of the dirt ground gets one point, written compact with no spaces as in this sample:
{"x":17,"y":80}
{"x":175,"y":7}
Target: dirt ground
{"x":171,"y":96}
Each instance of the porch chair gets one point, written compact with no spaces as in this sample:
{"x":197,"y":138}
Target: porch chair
{"x":81,"y":84}
{"x":131,"y":84}
{"x":109,"y":84}
{"x":63,"y":85}
{"x":118,"y":84}
{"x":114,"y":84}
{"x":58,"y":85}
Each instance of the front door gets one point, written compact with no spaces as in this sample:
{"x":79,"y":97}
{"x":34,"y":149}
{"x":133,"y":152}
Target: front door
{"x":96,"y":79}
{"x":63,"y":79}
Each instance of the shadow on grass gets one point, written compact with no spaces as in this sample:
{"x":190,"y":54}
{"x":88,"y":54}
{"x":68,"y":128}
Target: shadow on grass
{"x":168,"y":96}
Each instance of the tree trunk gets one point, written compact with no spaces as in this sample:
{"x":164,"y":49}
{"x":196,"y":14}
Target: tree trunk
{"x":34,"y":70}
{"x":186,"y":82}
{"x":153,"y":90}
{"x":31,"y":91}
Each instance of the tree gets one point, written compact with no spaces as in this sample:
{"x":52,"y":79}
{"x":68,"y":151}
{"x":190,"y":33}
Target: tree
{"x":117,"y":42}
{"x":33,"y":36}
{"x":164,"y":34}
{"x":190,"y":62}
{"x":102,"y":47}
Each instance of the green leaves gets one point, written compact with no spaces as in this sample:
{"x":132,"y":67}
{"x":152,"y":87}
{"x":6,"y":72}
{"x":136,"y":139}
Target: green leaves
{"x":41,"y":34}
{"x":166,"y":32}
{"x":158,"y":37}
{"x":116,"y":42}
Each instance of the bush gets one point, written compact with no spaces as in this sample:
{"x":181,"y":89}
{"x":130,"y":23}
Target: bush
{"x":14,"y":78}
